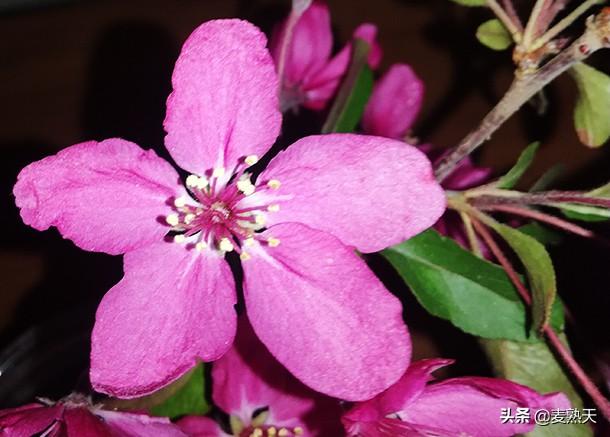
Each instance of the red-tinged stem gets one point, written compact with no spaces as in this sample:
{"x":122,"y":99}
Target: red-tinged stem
{"x":542,"y":217}
{"x":291,"y":22}
{"x":598,"y":398}
{"x":509,"y":7}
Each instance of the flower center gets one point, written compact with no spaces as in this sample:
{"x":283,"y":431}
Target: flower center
{"x":271,"y":431}
{"x":224,"y":212}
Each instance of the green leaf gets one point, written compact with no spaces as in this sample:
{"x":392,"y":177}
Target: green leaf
{"x":534,"y":365}
{"x":588,"y":213}
{"x":189,"y":398}
{"x":510,"y":179}
{"x":494,"y":35}
{"x":452,"y":283}
{"x":470,"y":2}
{"x":539,"y":268}
{"x":546,"y":236}
{"x":354,"y":93}
{"x":592,"y":110}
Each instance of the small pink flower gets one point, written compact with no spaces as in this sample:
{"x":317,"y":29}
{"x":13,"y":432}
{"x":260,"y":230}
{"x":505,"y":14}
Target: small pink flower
{"x":75,"y":416}
{"x":261,"y":397}
{"x":311,"y":75}
{"x":310,"y":299}
{"x":460,"y":406}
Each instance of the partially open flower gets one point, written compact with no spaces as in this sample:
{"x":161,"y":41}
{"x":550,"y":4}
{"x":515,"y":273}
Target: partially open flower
{"x":311,"y":75}
{"x":76,"y":416}
{"x":261,"y":398}
{"x":468,"y":406}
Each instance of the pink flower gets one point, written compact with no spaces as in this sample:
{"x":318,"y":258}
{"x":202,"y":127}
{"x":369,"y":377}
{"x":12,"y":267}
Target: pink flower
{"x":460,"y":406}
{"x":259,"y":394}
{"x":311,"y":300}
{"x":75,"y":416}
{"x":310,"y":76}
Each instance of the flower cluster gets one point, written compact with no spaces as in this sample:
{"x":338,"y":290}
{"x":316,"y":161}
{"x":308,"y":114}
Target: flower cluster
{"x":321,"y":347}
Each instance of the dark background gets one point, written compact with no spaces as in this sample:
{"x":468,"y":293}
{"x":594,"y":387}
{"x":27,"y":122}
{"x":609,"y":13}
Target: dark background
{"x":79,"y":70}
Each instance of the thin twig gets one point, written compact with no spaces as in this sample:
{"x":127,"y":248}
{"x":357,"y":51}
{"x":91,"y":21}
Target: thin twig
{"x":542,"y":217}
{"x":555,"y":342}
{"x":523,"y":88}
{"x":511,"y":26}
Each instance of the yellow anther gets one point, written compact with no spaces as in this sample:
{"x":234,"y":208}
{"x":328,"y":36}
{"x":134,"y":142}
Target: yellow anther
{"x":244,"y":256}
{"x":271,"y":431}
{"x":192,"y":180}
{"x":260,"y":219}
{"x":218,"y":172}
{"x":273,"y":208}
{"x":246,"y":187}
{"x":172,"y":219}
{"x":283,"y":432}
{"x":180,"y":202}
{"x":201,"y":246}
{"x":251,"y":159}
{"x":274,"y":184}
{"x":202,"y":183}
{"x":257,"y":433}
{"x":189,"y":218}
{"x":179,"y":238}
{"x":273,"y":242}
{"x":249,"y":242}
{"x":236,"y":424}
{"x":226,"y":245}
{"x":298,"y":430}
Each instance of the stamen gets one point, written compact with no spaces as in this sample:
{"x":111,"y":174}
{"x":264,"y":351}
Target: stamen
{"x":298,"y":430}
{"x":251,"y":159}
{"x":249,"y":242}
{"x":172,"y":219}
{"x":260,"y":219}
{"x":274,"y":184}
{"x":192,"y":181}
{"x":245,"y":186}
{"x":201,"y":246}
{"x":180,"y":202}
{"x":225,"y":245}
{"x":273,"y":242}
{"x":189,"y":218}
{"x":283,"y":432}
{"x":218,"y":172}
{"x":273,"y":207}
{"x":271,"y":431}
{"x":180,"y":238}
{"x":244,"y":256}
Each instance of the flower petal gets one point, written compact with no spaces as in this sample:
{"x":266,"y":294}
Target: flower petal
{"x":310,"y":47}
{"x":105,"y":197}
{"x":28,"y":420}
{"x":370,"y":192}
{"x":81,"y":423}
{"x":248,"y":378}
{"x":473,"y":406}
{"x":137,"y":425}
{"x":324,"y":315}
{"x":225,"y":100}
{"x":173,"y":306}
{"x":394,"y":103}
{"x":199,"y":426}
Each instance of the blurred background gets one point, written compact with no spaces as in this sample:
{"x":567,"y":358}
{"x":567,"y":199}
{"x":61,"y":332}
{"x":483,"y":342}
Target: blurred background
{"x":91,"y":69}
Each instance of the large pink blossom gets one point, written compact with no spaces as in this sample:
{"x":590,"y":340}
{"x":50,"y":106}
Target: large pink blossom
{"x":455,"y":407}
{"x":261,"y":397}
{"x":311,"y":300}
{"x":310,"y":74}
{"x":76,"y":416}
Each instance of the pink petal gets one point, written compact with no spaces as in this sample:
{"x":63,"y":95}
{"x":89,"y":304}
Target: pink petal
{"x":370,"y":192}
{"x":394,"y":103}
{"x":137,"y":425}
{"x":28,"y":420}
{"x":199,"y":426}
{"x":248,"y":378}
{"x":224,"y":105}
{"x":322,"y":85}
{"x":81,"y":423}
{"x":173,"y":306}
{"x":473,"y":406}
{"x":105,"y":197}
{"x":310,"y":47}
{"x":324,"y":315}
